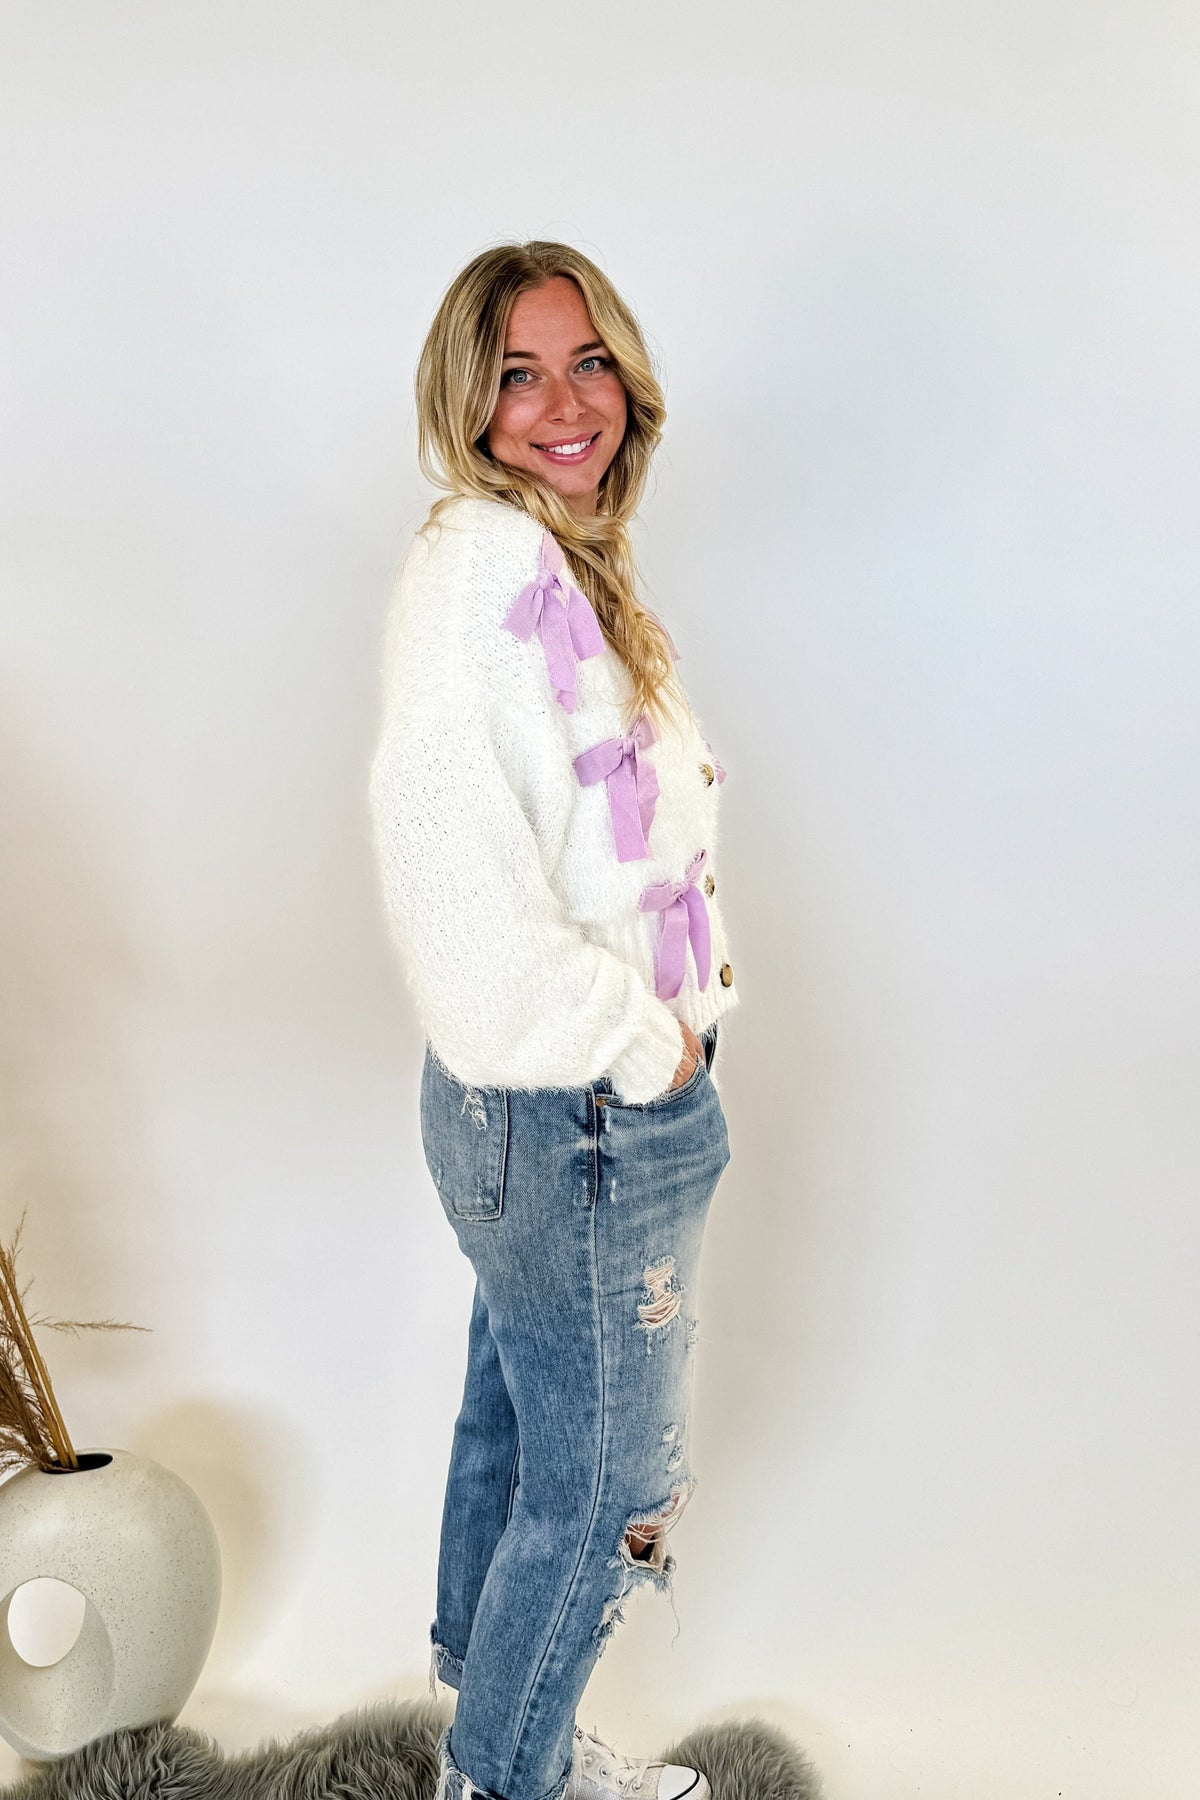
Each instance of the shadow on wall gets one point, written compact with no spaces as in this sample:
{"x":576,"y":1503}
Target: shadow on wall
{"x":234,"y":1460}
{"x":77,"y":972}
{"x":73,"y":1144}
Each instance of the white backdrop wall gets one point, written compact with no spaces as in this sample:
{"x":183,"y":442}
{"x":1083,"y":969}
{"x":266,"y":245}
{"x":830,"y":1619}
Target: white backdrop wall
{"x":923,"y":282}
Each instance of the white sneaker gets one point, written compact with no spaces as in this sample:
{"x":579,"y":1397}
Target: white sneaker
{"x":600,"y":1774}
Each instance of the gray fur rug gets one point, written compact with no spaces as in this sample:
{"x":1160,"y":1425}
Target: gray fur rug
{"x":384,"y":1752}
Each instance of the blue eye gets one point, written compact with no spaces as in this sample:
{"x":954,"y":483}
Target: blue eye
{"x":590,"y":365}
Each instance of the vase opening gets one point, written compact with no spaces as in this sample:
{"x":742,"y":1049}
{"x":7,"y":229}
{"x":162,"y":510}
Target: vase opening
{"x":91,"y":1459}
{"x":45,"y":1618}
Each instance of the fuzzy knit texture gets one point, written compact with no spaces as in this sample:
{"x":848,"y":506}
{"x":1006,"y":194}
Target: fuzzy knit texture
{"x":388,"y":1751}
{"x":518,"y":925}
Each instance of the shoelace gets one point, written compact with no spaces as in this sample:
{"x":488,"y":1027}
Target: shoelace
{"x":602,"y":1761}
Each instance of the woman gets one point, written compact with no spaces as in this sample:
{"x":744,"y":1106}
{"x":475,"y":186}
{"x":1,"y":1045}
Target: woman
{"x":545,"y":809}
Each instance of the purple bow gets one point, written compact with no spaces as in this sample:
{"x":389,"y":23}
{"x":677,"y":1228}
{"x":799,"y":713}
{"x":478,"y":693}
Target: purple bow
{"x":632,"y":786}
{"x":718,"y":771}
{"x":562,"y":618}
{"x":684,"y":915}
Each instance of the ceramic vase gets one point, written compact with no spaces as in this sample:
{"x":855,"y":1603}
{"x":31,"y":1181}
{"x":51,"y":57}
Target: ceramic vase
{"x":135,"y":1541}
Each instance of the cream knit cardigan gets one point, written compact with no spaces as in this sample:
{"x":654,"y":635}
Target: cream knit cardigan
{"x":518,"y":927}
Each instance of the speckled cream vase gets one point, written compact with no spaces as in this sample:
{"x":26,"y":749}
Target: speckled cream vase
{"x":137,"y":1544}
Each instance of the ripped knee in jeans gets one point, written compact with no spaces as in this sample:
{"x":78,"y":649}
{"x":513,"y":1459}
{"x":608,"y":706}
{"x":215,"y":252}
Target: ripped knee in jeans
{"x":645,"y":1537}
{"x":643,"y":1558}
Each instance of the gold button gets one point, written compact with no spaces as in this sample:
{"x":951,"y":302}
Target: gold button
{"x":726,"y":975}
{"x":709,"y":774}
{"x":710,"y":886}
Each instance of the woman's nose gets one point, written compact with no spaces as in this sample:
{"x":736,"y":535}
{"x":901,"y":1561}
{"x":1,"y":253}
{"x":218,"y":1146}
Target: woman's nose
{"x":562,"y":402}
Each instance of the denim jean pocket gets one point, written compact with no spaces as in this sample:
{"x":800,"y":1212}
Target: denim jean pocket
{"x":665,"y":1099}
{"x":464,"y":1132}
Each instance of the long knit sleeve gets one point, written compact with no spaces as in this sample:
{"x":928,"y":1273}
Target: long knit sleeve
{"x":473,"y":795}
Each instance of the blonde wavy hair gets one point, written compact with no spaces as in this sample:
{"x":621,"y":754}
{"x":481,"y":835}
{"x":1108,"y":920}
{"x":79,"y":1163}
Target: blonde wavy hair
{"x":457,"y":387}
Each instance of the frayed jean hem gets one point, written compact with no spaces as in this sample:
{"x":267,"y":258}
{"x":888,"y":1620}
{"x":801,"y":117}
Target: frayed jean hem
{"x":444,"y":1666}
{"x":454,"y":1785}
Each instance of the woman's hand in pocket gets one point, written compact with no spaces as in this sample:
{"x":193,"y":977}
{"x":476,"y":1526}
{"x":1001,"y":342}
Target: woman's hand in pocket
{"x":693,"y":1051}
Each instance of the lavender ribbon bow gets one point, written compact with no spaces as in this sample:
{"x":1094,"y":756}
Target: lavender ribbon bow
{"x":562,"y":618}
{"x":684,"y":916}
{"x":632,"y":786}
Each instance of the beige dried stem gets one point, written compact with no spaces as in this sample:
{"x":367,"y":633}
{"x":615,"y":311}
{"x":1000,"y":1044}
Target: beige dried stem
{"x":31,"y":1426}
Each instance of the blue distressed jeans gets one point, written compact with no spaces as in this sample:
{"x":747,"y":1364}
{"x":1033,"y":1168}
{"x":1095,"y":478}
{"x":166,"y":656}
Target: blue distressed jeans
{"x":582,"y":1217}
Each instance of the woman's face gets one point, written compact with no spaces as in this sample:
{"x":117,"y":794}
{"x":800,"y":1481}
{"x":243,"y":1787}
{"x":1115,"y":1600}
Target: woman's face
{"x":560,"y":412}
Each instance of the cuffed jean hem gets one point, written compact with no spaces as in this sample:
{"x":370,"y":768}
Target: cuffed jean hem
{"x":454,"y":1785}
{"x":444,"y":1664}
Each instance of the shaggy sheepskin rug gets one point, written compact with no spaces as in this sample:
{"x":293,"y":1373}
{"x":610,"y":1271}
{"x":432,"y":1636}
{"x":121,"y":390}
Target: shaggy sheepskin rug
{"x":384,"y":1752}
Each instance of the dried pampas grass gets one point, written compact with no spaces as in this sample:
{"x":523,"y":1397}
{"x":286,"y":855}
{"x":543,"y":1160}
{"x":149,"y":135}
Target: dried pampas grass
{"x":32,"y":1431}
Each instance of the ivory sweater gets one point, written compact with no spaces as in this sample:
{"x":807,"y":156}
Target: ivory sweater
{"x":550,"y":882}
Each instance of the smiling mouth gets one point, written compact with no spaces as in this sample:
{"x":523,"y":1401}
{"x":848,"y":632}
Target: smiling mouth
{"x":574,"y":451}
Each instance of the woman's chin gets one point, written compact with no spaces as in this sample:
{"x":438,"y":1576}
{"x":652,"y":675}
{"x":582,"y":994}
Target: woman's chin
{"x":577,"y":485}
{"x":580,"y":488}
